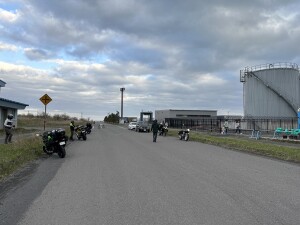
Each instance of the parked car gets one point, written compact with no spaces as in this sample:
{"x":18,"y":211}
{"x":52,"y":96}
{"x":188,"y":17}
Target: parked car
{"x":142,"y":126}
{"x":132,"y":126}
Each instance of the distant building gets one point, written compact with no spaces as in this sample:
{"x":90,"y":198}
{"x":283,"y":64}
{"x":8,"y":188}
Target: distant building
{"x":162,"y":115}
{"x":9,"y":107}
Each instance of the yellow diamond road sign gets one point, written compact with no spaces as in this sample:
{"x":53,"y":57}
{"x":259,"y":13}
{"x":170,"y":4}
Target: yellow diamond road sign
{"x":45,"y":99}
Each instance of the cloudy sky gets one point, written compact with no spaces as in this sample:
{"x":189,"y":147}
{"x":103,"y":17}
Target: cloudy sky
{"x":168,"y":54}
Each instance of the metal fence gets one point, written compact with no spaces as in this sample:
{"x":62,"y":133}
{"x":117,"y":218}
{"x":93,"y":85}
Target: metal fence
{"x":246,"y":125}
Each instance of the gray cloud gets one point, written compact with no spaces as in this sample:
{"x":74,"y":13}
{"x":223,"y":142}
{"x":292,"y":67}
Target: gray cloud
{"x":37,"y":54}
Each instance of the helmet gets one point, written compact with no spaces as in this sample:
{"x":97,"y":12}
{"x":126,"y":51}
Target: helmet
{"x":10,"y":116}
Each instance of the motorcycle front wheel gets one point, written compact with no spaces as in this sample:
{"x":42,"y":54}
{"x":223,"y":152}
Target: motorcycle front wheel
{"x":61,"y":152}
{"x":47,"y":151}
{"x":84,"y":137}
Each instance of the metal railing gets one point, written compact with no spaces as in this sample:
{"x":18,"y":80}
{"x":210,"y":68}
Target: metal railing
{"x":281,"y":65}
{"x":278,"y":65}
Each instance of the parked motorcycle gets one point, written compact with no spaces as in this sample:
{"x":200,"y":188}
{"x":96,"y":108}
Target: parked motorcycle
{"x":80,"y":132}
{"x":163,"y":130}
{"x":55,"y":142}
{"x":184,"y":134}
{"x":88,"y":128}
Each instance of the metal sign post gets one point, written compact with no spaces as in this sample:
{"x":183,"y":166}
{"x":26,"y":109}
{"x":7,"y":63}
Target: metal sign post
{"x":45,"y":99}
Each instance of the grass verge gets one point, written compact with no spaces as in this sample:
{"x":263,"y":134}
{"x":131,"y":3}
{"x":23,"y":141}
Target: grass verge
{"x":39,"y":123}
{"x":25,"y":149}
{"x":286,"y":153}
{"x":17,"y":154}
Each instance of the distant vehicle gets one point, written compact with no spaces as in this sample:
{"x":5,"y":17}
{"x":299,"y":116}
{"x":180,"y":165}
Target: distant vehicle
{"x":132,"y":126}
{"x":142,"y":126}
{"x":100,"y":126}
{"x":184,"y":134}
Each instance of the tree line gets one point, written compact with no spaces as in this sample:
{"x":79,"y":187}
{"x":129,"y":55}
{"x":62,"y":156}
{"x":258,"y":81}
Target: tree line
{"x":112,"y":118}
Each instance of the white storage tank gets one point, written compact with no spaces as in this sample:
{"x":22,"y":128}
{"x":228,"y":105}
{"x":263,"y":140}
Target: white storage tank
{"x":271,"y":90}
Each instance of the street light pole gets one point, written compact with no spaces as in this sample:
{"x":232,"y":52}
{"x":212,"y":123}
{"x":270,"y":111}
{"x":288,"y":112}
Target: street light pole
{"x":122,"y":90}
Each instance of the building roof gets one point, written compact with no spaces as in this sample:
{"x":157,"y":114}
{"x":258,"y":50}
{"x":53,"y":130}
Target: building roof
{"x":189,"y":110}
{"x":12,"y":104}
{"x":2,"y":83}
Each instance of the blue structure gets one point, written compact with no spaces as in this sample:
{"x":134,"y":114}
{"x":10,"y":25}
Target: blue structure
{"x":299,"y":118}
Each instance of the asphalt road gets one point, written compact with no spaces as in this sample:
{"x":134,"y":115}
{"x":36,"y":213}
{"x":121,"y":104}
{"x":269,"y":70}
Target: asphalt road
{"x":121,"y":177}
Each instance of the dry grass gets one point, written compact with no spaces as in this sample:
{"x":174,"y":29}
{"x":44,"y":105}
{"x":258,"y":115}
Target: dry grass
{"x":15,"y":155}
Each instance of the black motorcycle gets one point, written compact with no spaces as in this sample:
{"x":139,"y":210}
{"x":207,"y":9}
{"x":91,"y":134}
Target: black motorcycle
{"x":88,"y":128}
{"x":163,"y":130}
{"x":80,"y":132}
{"x":184,"y":134}
{"x":55,"y":142}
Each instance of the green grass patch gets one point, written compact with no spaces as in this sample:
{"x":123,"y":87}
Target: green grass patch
{"x":17,"y":154}
{"x":24,"y":148}
{"x":266,"y":149}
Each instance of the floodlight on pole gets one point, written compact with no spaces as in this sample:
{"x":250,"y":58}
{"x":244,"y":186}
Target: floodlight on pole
{"x":122,"y":90}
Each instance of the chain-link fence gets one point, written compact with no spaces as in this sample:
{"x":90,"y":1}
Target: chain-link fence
{"x":263,"y":125}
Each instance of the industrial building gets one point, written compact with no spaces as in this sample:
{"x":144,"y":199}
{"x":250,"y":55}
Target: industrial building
{"x":271,"y":90}
{"x":162,"y":115}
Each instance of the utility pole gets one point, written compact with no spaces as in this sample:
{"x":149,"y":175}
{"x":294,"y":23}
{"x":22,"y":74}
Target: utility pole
{"x":122,"y":90}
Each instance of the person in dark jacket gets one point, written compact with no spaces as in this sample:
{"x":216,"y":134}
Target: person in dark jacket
{"x":154,"y":129}
{"x":8,"y":126}
{"x":72,"y":128}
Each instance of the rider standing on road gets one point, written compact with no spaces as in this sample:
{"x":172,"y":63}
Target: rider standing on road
{"x":72,"y":128}
{"x":154,"y":129}
{"x":8,"y":126}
